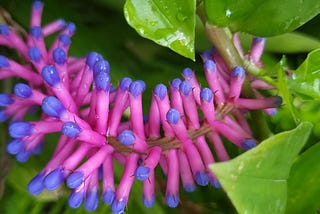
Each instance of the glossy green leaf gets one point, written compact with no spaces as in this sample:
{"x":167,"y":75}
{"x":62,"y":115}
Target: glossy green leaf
{"x":256,"y":181}
{"x":168,"y":23}
{"x":304,"y":176}
{"x":261,"y":17}
{"x":306,"y":79}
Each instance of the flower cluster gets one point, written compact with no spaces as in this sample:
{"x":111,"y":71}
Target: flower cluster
{"x":78,"y":100}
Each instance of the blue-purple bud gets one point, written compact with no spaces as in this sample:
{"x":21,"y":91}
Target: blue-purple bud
{"x":237,"y":72}
{"x":142,"y":173}
{"x":206,"y":94}
{"x":92,"y":58}
{"x":52,"y":107}
{"x":59,"y":56}
{"x":101,"y":66}
{"x":136,"y":88}
{"x":15,"y":146}
{"x":23,"y":156}
{"x":35,"y":186}
{"x":38,"y":149}
{"x":20,"y":129}
{"x":185,"y":87}
{"x":173,"y":116}
{"x":4,"y":29}
{"x":118,"y":205}
{"x":54,"y":179}
{"x":76,"y":198}
{"x":126,"y":137}
{"x":108,"y":196}
{"x":248,"y":144}
{"x":258,"y":40}
{"x":189,"y":188}
{"x":3,"y":62}
{"x":50,"y":75}
{"x":143,"y":84}
{"x":5,"y":100}
{"x":71,"y":27}
{"x":70,"y":129}
{"x":187,"y":73}
{"x":148,"y":203}
{"x":210,"y":66}
{"x":34,"y":54}
{"x":102,"y":81}
{"x":64,"y":39}
{"x":215,"y":183}
{"x":172,"y":200}
{"x":22,"y":90}
{"x":37,"y":4}
{"x":202,"y":178}
{"x":125,"y":83}
{"x":91,"y":200}
{"x":3,"y":116}
{"x":75,"y":179}
{"x":36,"y":32}
{"x":175,"y":83}
{"x":278,"y":100}
{"x":160,"y":90}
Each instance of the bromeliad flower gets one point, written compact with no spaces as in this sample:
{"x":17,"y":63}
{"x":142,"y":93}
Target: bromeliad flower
{"x":79,"y":101}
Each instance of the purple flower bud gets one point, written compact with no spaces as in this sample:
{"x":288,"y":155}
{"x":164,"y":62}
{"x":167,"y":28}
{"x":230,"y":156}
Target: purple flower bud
{"x":160,"y":90}
{"x":38,"y":149}
{"x":210,"y":66}
{"x":4,"y":29}
{"x":52,"y":106}
{"x":92,"y":58}
{"x":3,"y":62}
{"x":173,"y":116}
{"x":102,"y":81}
{"x":172,"y":200}
{"x":75,"y":198}
{"x":23,"y":156}
{"x":5,"y":100}
{"x":75,"y":179}
{"x":3,"y":116}
{"x":237,"y":72}
{"x":189,"y":188}
{"x":37,"y":4}
{"x":148,"y":203}
{"x":54,"y":179}
{"x":185,"y":87}
{"x":101,"y":66}
{"x":71,"y":27}
{"x":175,"y":83}
{"x":206,"y":94}
{"x":136,"y":88}
{"x":125,"y":83}
{"x":126,"y":137}
{"x":36,"y":32}
{"x":187,"y":73}
{"x":20,"y":129}
{"x":143,"y":84}
{"x":142,"y":173}
{"x":108,"y":196}
{"x":202,"y":178}
{"x":70,"y":129}
{"x":50,"y":75}
{"x":64,"y":39}
{"x":91,"y":200}
{"x":35,"y":186}
{"x":258,"y":40}
{"x":215,"y":183}
{"x":248,"y":144}
{"x":15,"y":146}
{"x":22,"y":90}
{"x":34,"y":54}
{"x":278,"y":100}
{"x":118,"y":205}
{"x":59,"y":56}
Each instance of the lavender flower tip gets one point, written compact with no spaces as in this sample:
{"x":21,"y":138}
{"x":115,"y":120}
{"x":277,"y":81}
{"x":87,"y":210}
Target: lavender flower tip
{"x":175,"y":83}
{"x":15,"y":146}
{"x":102,"y":81}
{"x":91,"y":200}
{"x":4,"y":29}
{"x":108,"y":196}
{"x":119,"y":205}
{"x":35,"y":186}
{"x":237,"y":72}
{"x":210,"y":66}
{"x":75,"y":199}
{"x":23,"y":156}
{"x":59,"y":56}
{"x":160,"y":90}
{"x":4,"y":62}
{"x":215,"y":183}
{"x":101,"y":66}
{"x":36,"y":32}
{"x":206,"y":94}
{"x":258,"y":40}
{"x":185,"y":87}
{"x":173,"y":116}
{"x":187,"y":73}
{"x":50,"y":75}
{"x":125,"y":83}
{"x":20,"y":129}
{"x":142,"y":173}
{"x":143,"y":84}
{"x":5,"y":100}
{"x":52,"y":107}
{"x":206,"y":55}
{"x":37,"y":4}
{"x":148,"y":202}
{"x":136,"y":88}
{"x":54,"y":179}
{"x":3,"y":116}
{"x":38,"y":149}
{"x":22,"y":90}
{"x":70,"y":129}
{"x":34,"y":54}
{"x":92,"y":58}
{"x":126,"y":137}
{"x":278,"y":100}
{"x":71,"y":27}
{"x":75,"y":179}
{"x":202,"y":178}
{"x":248,"y":144}
{"x":172,"y":200}
{"x":64,"y":38}
{"x":189,"y":188}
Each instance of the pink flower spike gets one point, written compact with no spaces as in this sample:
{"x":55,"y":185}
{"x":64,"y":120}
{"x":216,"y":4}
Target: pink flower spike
{"x":108,"y":180}
{"x":189,"y":76}
{"x":36,"y":13}
{"x":256,"y":49}
{"x":172,"y":189}
{"x":207,"y":106}
{"x":35,"y":38}
{"x":236,"y":82}
{"x":53,"y":27}
{"x":148,"y":195}
{"x":154,"y":120}
{"x":254,"y":104}
{"x":149,"y":163}
{"x":75,"y":158}
{"x":218,"y":146}
{"x":175,"y":97}
{"x":185,"y":172}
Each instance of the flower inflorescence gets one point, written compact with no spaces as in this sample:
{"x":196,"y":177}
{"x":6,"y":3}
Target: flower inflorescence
{"x":79,"y":101}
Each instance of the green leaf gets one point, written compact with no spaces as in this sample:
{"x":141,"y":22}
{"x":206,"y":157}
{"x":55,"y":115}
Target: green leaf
{"x":304,"y":176}
{"x":168,"y":23}
{"x":261,"y":17}
{"x":256,"y":181}
{"x":306,"y":79}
